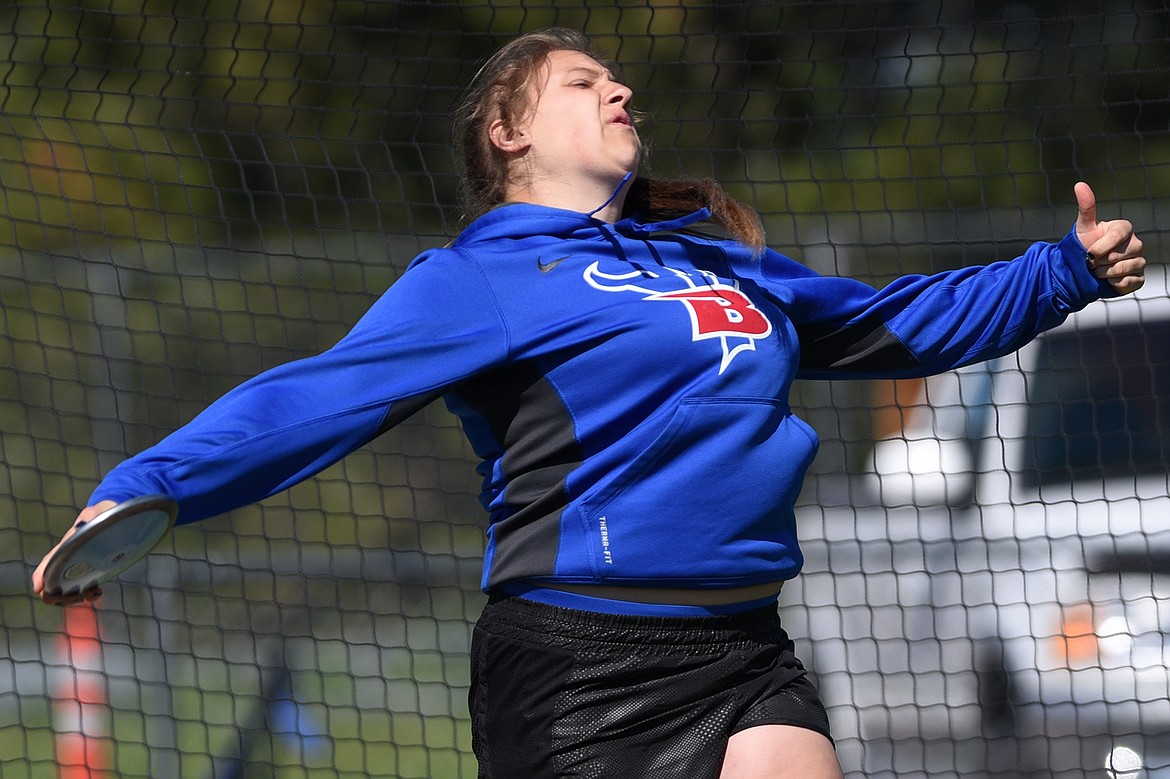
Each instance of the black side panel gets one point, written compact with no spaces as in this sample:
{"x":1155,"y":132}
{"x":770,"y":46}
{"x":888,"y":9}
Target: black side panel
{"x":529,"y":418}
{"x":864,"y":346}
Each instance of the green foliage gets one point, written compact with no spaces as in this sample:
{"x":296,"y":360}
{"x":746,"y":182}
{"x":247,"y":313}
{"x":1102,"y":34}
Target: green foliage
{"x":217,"y":126}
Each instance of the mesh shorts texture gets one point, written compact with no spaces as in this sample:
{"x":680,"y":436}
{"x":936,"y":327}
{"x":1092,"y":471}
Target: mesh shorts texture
{"x":557,"y":692}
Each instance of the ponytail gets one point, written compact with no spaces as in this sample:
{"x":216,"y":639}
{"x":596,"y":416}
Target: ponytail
{"x":660,"y":200}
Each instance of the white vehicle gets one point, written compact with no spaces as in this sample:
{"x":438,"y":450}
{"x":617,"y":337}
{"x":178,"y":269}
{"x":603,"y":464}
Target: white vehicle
{"x":994,"y":596}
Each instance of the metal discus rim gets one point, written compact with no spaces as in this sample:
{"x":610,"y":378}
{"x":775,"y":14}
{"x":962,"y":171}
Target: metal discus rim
{"x":107,"y":545}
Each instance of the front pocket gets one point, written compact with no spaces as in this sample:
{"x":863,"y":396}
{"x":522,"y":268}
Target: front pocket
{"x":713,"y":492}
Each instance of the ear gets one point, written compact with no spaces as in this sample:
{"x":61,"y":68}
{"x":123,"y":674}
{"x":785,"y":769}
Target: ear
{"x":508,"y":139}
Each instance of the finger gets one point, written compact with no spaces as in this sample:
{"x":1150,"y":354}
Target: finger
{"x":1132,"y":266}
{"x":1086,"y":208}
{"x":1124,"y":276}
{"x":86,"y":514}
{"x":1127,"y":284}
{"x":38,"y":575}
{"x":1114,"y":240}
{"x":60,"y":598}
{"x":1126,"y":250}
{"x":73,"y":597}
{"x":89,"y":512}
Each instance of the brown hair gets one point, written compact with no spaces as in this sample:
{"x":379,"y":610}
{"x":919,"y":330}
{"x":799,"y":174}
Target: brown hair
{"x":656,"y":199}
{"x":500,"y":91}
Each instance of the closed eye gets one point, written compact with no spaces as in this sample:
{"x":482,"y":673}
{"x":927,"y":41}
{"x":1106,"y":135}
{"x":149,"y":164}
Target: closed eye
{"x":585,"y":77}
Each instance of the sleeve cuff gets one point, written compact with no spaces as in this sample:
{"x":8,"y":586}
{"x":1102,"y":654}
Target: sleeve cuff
{"x":1083,"y":286}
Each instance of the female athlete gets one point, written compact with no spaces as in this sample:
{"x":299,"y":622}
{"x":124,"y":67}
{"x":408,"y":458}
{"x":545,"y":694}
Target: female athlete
{"x":624,"y":378}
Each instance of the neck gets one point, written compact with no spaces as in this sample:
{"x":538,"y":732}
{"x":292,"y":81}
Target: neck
{"x":604,"y":201}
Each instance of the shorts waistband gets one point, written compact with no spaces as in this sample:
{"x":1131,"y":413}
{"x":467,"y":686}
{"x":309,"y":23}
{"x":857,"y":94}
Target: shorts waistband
{"x":518,"y":614}
{"x":674,"y":596}
{"x":602,"y":600}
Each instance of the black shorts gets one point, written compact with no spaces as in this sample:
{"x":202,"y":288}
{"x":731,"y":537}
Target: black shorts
{"x":558,"y":692}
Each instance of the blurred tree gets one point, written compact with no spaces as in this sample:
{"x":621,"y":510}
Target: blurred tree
{"x":227,"y":121}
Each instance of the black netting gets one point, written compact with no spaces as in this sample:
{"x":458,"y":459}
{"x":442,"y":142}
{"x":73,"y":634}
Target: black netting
{"x":192,"y":193}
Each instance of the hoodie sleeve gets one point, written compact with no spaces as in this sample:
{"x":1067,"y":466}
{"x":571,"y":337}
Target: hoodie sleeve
{"x":925,"y":324}
{"x":438,"y":324}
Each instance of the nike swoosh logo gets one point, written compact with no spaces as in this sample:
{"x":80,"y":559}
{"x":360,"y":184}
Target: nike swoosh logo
{"x":545,"y":267}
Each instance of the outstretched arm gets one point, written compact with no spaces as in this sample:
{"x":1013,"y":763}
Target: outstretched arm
{"x":436,"y":326}
{"x":919,"y":325}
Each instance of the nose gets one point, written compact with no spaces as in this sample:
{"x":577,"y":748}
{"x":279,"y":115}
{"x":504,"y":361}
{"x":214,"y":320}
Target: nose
{"x":619,"y":94}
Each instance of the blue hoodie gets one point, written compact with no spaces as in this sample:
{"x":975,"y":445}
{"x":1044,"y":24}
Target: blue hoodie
{"x":625,"y":385}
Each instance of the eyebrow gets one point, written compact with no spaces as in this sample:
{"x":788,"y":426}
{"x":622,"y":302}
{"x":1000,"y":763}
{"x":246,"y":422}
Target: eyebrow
{"x":594,"y":72}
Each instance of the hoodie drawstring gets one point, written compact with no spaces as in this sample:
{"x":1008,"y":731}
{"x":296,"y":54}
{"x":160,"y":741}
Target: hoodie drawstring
{"x":634,"y":227}
{"x":621,"y":185}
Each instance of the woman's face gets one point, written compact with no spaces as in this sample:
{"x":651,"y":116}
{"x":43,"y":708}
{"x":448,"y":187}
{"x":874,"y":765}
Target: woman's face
{"x":579,"y":132}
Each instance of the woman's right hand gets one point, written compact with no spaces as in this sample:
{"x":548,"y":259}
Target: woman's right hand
{"x":38,"y":576}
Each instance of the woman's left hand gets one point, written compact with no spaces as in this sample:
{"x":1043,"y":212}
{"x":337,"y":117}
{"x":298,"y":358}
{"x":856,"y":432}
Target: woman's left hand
{"x":1114,"y":252}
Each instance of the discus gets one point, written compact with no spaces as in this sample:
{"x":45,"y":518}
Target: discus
{"x":108,"y":544}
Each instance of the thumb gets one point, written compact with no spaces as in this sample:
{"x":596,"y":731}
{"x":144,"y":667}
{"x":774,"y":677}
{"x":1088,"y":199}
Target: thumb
{"x":1086,"y":208}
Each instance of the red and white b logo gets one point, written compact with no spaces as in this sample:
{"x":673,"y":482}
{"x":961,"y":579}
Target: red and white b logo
{"x":717,"y":310}
{"x":720,"y":311}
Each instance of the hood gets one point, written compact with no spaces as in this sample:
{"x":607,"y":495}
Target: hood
{"x":522,"y":220}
